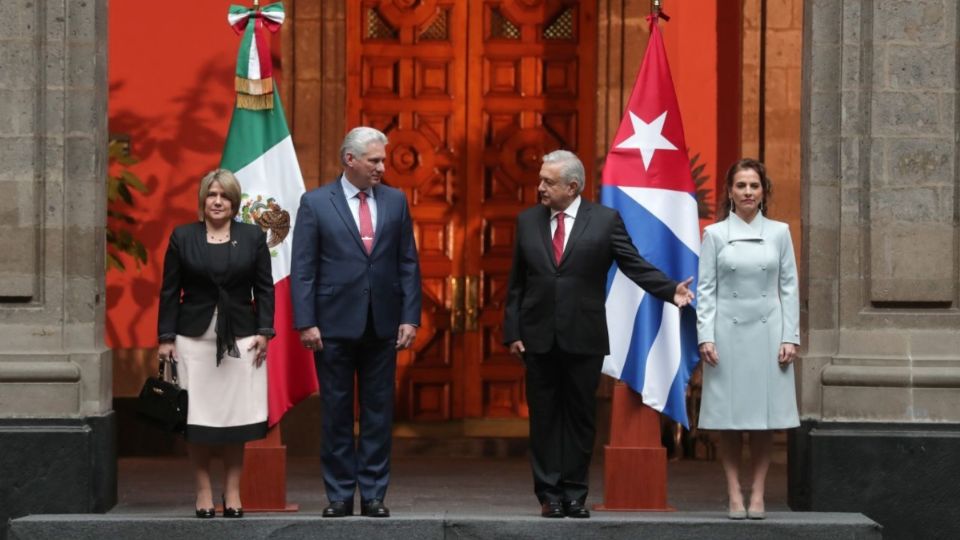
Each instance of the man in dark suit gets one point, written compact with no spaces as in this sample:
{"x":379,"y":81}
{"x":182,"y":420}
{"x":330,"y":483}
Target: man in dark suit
{"x":355,"y":281}
{"x":555,"y":321}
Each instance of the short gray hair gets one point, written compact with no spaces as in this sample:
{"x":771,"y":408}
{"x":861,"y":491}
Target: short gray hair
{"x":358,"y":139}
{"x":571,"y":168}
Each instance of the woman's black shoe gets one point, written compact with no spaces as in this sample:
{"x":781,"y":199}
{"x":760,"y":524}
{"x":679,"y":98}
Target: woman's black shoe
{"x":206,"y":513}
{"x":231,"y":512}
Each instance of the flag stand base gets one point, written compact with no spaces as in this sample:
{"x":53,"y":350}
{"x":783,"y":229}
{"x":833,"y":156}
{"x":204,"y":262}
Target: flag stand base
{"x":263,"y":485}
{"x":635,"y":462}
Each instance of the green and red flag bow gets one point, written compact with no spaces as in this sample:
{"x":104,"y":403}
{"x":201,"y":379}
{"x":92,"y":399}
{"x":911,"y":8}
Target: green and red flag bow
{"x":254,"y":78}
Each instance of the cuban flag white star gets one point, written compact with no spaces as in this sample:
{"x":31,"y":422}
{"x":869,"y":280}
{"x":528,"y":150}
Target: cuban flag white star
{"x":648,"y":138}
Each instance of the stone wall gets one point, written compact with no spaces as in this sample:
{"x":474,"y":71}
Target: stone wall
{"x":53,"y":132}
{"x":55,"y":373}
{"x":880,"y":374}
{"x":880,"y":223}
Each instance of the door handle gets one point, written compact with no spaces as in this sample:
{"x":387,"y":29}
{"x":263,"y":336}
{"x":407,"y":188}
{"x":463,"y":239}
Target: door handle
{"x":455,"y":293}
{"x":472,"y":304}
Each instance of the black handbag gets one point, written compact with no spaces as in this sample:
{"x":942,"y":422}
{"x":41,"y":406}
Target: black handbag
{"x":163,"y":403}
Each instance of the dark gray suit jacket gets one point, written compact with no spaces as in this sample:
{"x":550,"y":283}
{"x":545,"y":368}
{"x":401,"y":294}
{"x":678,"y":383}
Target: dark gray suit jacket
{"x":335,"y":284}
{"x":547,"y":303}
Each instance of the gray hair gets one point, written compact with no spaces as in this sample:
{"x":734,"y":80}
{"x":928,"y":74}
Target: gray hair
{"x":571,"y":168}
{"x":357,"y":140}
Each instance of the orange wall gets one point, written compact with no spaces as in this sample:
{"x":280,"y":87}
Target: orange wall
{"x":171,"y":80}
{"x":690,"y":37}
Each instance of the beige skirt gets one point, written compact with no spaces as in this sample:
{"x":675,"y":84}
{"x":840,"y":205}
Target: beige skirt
{"x":228,"y":403}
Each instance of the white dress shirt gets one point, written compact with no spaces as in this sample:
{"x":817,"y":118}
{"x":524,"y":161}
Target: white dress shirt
{"x":570,"y":215}
{"x":350,"y":192}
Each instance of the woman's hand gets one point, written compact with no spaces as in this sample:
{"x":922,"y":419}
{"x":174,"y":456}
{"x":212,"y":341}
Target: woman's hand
{"x":788,"y":353}
{"x":708,"y":353}
{"x":167,"y":351}
{"x":259,"y":346}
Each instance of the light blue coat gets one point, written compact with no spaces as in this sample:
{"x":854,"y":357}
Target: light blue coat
{"x":747,"y":305}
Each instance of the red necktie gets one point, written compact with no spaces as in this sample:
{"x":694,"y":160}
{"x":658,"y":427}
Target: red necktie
{"x":366,"y":222}
{"x":558,"y":238}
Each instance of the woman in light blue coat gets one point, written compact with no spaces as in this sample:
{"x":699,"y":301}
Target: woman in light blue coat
{"x":748,"y":316}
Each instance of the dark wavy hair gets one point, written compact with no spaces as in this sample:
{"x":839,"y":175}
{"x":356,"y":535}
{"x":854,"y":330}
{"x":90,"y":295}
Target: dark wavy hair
{"x":723,"y":211}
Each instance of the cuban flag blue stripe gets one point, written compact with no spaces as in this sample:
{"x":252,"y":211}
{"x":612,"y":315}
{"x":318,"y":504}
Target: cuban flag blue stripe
{"x":659,"y":245}
{"x":653,"y":344}
{"x":676,"y":406}
{"x":646,"y":326}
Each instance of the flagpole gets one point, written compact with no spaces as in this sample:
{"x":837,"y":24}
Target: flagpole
{"x":657,"y":11}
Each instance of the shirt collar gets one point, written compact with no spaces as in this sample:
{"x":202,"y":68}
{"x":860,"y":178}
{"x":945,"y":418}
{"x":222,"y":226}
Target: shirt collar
{"x":570,"y":211}
{"x":349,"y":190}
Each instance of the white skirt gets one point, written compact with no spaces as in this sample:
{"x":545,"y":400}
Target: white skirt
{"x":227,"y":403}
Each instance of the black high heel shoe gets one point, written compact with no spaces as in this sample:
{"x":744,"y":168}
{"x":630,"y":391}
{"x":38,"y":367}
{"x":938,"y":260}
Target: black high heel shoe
{"x":230,"y":512}
{"x":206,"y":513}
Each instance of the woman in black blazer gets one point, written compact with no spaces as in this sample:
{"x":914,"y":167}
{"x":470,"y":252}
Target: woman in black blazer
{"x":216,"y":315}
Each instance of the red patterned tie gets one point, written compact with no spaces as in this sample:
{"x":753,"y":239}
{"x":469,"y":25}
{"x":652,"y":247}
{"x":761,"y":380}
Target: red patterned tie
{"x":366,"y":222}
{"x":558,"y":238}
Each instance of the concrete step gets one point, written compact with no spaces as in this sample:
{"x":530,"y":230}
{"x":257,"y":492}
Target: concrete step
{"x":605,"y":525}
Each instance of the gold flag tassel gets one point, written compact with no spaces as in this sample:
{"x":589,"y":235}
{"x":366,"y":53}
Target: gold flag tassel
{"x":253,"y":87}
{"x":254,"y":94}
{"x":255,"y":102}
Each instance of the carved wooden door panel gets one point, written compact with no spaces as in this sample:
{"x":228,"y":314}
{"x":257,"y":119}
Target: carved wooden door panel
{"x":471,"y":95}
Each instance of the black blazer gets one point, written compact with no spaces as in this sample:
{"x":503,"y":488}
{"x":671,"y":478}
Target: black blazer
{"x":547,"y":303}
{"x":189,"y":292}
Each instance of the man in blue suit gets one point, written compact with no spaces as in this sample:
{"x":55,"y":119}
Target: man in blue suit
{"x":356,"y":300}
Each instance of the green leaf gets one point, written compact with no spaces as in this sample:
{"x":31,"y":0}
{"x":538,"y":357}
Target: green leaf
{"x":133,"y":181}
{"x":114,"y":262}
{"x":125,"y":193}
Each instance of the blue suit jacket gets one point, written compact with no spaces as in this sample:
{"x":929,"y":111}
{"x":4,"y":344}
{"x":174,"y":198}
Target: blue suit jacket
{"x":334,"y":281}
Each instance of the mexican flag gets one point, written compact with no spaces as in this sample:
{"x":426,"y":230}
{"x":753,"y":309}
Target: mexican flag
{"x":259,"y":151}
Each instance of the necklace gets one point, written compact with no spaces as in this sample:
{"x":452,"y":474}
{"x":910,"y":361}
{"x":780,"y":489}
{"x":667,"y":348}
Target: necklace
{"x":218,"y":238}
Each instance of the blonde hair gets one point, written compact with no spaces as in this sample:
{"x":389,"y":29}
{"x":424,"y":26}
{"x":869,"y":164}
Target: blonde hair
{"x":231,"y":190}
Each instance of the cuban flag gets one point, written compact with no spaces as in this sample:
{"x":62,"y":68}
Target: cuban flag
{"x":653,"y":344}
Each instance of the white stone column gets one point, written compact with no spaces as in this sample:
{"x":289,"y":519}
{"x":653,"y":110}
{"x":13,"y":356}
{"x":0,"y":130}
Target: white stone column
{"x":55,"y":372}
{"x":880,"y":375}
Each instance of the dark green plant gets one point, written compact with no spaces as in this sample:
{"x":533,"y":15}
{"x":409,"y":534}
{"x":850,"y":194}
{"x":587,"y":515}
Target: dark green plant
{"x":120,"y":188}
{"x":700,"y":180}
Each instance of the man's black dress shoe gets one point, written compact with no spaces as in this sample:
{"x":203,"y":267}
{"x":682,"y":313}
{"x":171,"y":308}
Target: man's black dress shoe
{"x":374,"y":508}
{"x":338,"y":509}
{"x":575,"y":509}
{"x":551,"y":509}
{"x":206,"y":513}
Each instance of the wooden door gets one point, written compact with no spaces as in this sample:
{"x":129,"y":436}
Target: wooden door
{"x":471,"y":95}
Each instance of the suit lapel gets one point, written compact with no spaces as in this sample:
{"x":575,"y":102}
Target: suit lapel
{"x":339,"y":201}
{"x":579,"y":224}
{"x":381,"y":216}
{"x":232,"y":249}
{"x":544,"y":226}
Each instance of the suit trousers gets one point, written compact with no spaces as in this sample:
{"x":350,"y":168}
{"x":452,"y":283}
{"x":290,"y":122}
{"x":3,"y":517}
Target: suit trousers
{"x":365,"y":462}
{"x":561,"y":393}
